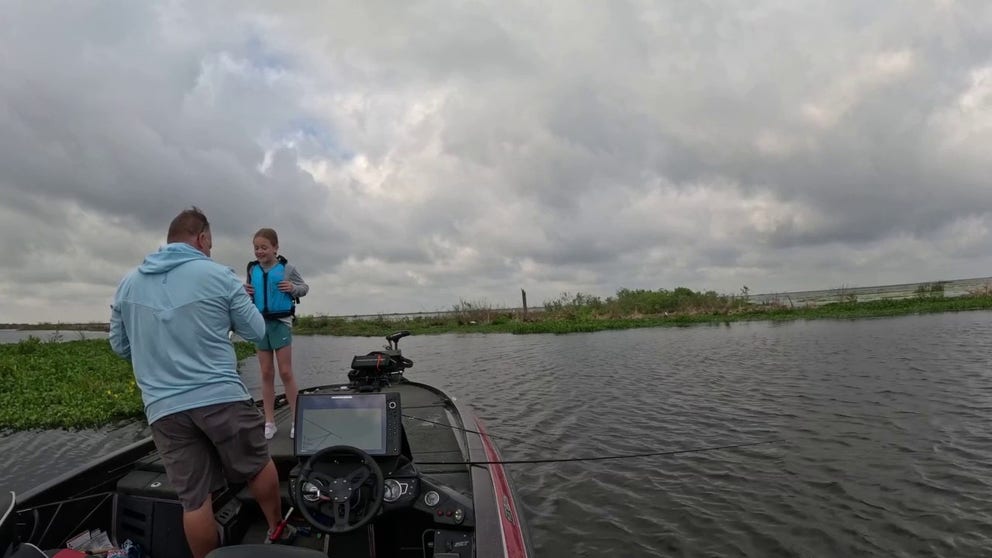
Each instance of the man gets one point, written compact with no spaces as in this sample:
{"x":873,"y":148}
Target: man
{"x":171,"y":318}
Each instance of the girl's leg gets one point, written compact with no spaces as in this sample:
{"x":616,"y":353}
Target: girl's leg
{"x":268,"y":384}
{"x":284,"y":356}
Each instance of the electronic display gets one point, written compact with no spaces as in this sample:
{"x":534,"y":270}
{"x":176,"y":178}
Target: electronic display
{"x":369,"y":422}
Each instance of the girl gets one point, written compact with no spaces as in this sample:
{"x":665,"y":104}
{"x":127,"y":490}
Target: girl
{"x":276,"y":287}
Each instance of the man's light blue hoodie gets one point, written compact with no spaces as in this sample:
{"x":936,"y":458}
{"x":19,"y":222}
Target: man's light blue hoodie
{"x":171,"y":318}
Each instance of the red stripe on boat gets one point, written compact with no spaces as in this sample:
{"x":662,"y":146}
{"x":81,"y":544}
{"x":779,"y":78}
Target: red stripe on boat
{"x":513,"y":537}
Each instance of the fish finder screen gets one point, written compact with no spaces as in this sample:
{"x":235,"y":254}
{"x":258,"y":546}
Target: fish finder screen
{"x":338,"y":420}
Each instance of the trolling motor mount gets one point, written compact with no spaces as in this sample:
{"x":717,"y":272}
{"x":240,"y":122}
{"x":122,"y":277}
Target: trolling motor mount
{"x":375,"y":370}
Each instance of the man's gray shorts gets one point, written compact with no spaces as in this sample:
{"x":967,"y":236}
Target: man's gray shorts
{"x":201,"y":447}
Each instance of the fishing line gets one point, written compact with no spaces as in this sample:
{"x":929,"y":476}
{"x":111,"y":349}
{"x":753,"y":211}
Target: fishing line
{"x":470,"y":431}
{"x":572,"y":459}
{"x":602,"y":457}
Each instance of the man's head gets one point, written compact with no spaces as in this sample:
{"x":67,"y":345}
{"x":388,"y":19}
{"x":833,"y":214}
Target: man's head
{"x":191,"y":226}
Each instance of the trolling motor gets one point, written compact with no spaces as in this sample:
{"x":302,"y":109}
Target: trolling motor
{"x":378,"y":369}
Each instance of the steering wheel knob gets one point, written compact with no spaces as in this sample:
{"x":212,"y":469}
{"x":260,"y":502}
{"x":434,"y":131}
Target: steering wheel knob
{"x":340,"y":490}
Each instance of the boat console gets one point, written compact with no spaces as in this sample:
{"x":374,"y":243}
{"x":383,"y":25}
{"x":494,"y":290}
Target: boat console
{"x":356,"y":474}
{"x":338,"y":486}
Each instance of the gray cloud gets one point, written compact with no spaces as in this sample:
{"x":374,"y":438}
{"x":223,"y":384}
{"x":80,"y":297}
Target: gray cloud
{"x":411,"y":156}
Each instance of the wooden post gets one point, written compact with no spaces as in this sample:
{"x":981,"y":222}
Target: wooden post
{"x":523,"y":294}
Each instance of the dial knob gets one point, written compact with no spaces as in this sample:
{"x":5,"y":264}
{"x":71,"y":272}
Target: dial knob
{"x":432,"y":498}
{"x":393,"y":490}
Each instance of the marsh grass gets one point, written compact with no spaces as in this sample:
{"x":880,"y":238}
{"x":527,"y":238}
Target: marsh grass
{"x":579,"y":312}
{"x":930,"y":290}
{"x":71,"y":384}
{"x":983,"y":290}
{"x":480,"y":312}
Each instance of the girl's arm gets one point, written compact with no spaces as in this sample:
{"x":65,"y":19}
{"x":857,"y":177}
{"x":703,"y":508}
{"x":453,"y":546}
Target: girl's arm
{"x":300,"y":288}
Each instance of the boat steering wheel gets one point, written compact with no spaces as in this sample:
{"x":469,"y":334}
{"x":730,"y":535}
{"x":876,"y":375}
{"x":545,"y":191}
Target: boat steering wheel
{"x":334,"y":482}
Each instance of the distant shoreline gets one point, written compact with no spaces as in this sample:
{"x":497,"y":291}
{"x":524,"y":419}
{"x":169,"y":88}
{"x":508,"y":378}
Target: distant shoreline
{"x":797,"y":304}
{"x":91,"y":326}
{"x":582,"y":319}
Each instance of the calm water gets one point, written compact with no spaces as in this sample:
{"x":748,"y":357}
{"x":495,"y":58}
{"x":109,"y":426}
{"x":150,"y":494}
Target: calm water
{"x":887,"y":445}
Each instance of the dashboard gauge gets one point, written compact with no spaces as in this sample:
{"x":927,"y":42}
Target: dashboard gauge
{"x":432,"y":498}
{"x":393,"y":490}
{"x":311,"y":492}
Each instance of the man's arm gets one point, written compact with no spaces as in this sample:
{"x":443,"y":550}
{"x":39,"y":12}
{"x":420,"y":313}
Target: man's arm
{"x":118,"y":336}
{"x":246,"y":320}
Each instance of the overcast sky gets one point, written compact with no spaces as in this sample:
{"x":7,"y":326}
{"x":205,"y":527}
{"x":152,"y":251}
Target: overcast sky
{"x":415,"y":154}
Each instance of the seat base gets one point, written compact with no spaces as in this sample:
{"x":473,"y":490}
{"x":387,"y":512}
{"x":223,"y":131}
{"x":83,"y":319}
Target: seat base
{"x":264,"y":551}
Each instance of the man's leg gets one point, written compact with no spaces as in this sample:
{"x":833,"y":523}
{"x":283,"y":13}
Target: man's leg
{"x":201,"y":531}
{"x":237,"y":428}
{"x":194,"y":470}
{"x":265,"y":488}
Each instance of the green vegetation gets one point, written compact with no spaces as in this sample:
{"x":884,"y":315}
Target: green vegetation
{"x":640,"y":308}
{"x":75,"y":384}
{"x":81,"y":383}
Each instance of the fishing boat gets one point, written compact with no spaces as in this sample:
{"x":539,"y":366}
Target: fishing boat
{"x":379,"y":466}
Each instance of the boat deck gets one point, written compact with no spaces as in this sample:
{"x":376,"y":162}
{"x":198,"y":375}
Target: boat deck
{"x":431,"y":426}
{"x":137,"y":503}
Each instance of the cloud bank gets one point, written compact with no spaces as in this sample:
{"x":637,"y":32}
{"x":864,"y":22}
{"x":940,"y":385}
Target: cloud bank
{"x":414,"y":155}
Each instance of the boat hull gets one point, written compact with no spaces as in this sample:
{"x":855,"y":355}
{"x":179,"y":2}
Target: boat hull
{"x":443,"y":433}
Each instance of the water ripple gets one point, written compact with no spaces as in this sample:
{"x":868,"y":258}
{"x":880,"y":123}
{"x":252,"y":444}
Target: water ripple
{"x":885,"y":451}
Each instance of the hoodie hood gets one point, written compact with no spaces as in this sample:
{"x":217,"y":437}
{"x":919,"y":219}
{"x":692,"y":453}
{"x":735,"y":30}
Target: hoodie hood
{"x":170,"y":257}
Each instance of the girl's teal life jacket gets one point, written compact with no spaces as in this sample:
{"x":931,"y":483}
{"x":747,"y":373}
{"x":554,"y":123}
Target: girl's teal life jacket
{"x":269,"y":300}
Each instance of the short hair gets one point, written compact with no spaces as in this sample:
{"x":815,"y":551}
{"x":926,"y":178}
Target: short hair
{"x":189,"y":223}
{"x":268,"y":234}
